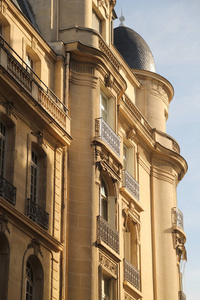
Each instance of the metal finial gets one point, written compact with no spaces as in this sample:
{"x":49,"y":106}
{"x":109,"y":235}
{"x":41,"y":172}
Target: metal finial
{"x":122,"y":19}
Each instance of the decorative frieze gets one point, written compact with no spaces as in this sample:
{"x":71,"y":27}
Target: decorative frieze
{"x":104,"y":48}
{"x":85,"y":68}
{"x":108,"y":264}
{"x":128,"y":297}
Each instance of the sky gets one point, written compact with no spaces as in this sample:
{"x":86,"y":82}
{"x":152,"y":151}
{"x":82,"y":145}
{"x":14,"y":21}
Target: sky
{"x":171,"y":29}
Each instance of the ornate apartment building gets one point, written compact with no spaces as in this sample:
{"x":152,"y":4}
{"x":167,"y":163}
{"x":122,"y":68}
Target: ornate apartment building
{"x":88,"y":174}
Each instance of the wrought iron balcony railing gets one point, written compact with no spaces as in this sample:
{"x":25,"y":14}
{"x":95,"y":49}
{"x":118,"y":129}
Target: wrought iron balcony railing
{"x":131,"y":184}
{"x":23,"y":74}
{"x":37,"y":214}
{"x":131,"y":274}
{"x":107,"y":234}
{"x":7,"y":191}
{"x":182,"y":296}
{"x":177,"y":218}
{"x":103,"y":130}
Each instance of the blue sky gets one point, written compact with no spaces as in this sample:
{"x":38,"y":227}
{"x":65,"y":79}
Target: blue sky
{"x":172,"y":31}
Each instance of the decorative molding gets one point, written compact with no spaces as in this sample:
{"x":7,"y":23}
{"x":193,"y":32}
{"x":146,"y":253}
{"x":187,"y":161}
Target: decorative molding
{"x":4,"y":224}
{"x":84,"y":68}
{"x":40,"y":138}
{"x":3,"y":8}
{"x":109,"y":80}
{"x":9,"y":108}
{"x":178,"y":243}
{"x":106,"y":162}
{"x":128,"y":297}
{"x":36,"y":245}
{"x":108,"y":264}
{"x":111,"y":57}
{"x":131,"y":134}
{"x":34,"y":43}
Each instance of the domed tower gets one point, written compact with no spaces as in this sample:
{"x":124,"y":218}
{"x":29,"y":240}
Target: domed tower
{"x":157,"y":90}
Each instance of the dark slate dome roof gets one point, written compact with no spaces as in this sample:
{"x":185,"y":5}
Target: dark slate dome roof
{"x":133,"y":49}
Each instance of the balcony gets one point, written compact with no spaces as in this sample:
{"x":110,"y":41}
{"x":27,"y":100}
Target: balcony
{"x":33,"y":85}
{"x":37,"y":214}
{"x":181,"y":295}
{"x":107,"y":234}
{"x":177,"y":218}
{"x":7,"y":191}
{"x":131,"y":184}
{"x":131,"y":275}
{"x":103,"y":131}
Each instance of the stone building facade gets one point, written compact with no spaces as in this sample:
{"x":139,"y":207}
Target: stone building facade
{"x":88,"y":174}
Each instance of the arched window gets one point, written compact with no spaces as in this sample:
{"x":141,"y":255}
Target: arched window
{"x":34,"y":279}
{"x":29,"y":281}
{"x":4,"y":266}
{"x":107,"y":203}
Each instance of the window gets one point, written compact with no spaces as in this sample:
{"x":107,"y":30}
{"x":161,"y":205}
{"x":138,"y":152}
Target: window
{"x":4,"y":266}
{"x":131,"y":243}
{"x":34,"y":176}
{"x":0,"y":30}
{"x":107,"y":204}
{"x":107,"y":288}
{"x":128,"y":159}
{"x":36,"y":206}
{"x":96,"y":22}
{"x":29,"y":281}
{"x":29,"y":63}
{"x":2,"y":147}
{"x":34,"y":279}
{"x":107,"y":110}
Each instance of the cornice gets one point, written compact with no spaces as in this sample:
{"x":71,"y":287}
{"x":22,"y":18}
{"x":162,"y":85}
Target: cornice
{"x":29,"y":227}
{"x":160,"y":79}
{"x":88,"y":54}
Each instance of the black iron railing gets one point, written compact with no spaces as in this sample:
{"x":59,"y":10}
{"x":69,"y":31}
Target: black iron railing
{"x":7,"y":191}
{"x":107,"y":234}
{"x":37,"y":214}
{"x":177,"y":218}
{"x":131,"y":184}
{"x":131,"y":274}
{"x":106,"y":133}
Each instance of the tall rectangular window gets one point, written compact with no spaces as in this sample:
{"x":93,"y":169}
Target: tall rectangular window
{"x":107,"y":110}
{"x":108,"y":288}
{"x":34,"y":177}
{"x":2,"y":147}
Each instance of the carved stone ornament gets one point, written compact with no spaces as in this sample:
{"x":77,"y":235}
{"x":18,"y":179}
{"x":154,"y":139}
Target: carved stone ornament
{"x":131,"y":134}
{"x":128,"y":297}
{"x":3,"y":8}
{"x":40,"y":138}
{"x":9,"y":108}
{"x":4,"y":224}
{"x":109,"y":80}
{"x":35,"y":244}
{"x":34,"y":43}
{"x":178,"y":243}
{"x":105,"y":162}
{"x":107,"y":264}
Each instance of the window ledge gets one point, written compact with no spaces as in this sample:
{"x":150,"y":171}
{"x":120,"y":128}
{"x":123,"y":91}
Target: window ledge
{"x":132,"y":290}
{"x":103,"y":246}
{"x":127,"y":194}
